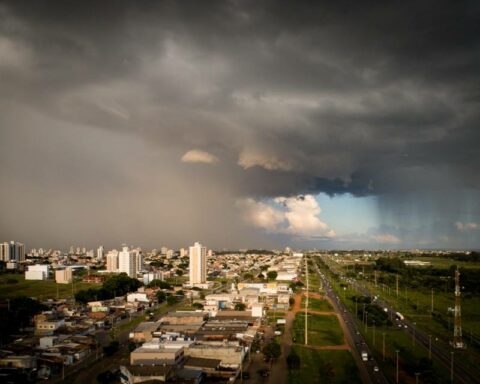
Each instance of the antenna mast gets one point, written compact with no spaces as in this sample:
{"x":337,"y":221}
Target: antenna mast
{"x":457,"y":329}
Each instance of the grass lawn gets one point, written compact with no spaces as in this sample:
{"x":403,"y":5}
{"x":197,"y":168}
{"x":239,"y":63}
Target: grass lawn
{"x":322,"y":330}
{"x":274,"y":315}
{"x":319,"y":366}
{"x":37,"y":288}
{"x":317,"y":305}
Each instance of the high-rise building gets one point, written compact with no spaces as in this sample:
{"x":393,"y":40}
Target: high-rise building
{"x":198,"y":264}
{"x":100,"y":252}
{"x":12,"y":251}
{"x":127,"y":262}
{"x":63,"y":276}
{"x":183,"y":252}
{"x":112,"y":261}
{"x":138,"y":259}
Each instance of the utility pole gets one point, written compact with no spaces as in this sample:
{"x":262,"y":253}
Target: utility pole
{"x":413,"y":334}
{"x":451,"y":367}
{"x":397,"y":285}
{"x":306,"y":303}
{"x":430,"y":347}
{"x":431,"y":310}
{"x":383,"y":345}
{"x":397,"y":366}
{"x":416,"y":377}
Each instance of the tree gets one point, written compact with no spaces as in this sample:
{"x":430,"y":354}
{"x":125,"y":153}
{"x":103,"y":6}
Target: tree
{"x":161,"y":296}
{"x":160,"y":284}
{"x":171,"y":300}
{"x":247,"y":276}
{"x":197,"y":305}
{"x":240,"y":307}
{"x":291,"y":301}
{"x":272,"y":275}
{"x":272,"y":350}
{"x":293,"y":360}
{"x":179,"y":272}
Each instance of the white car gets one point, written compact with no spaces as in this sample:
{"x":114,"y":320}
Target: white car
{"x":375,"y":369}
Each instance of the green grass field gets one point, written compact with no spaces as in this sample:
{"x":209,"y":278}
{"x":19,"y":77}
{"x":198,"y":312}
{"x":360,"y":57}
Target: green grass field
{"x":39,"y":289}
{"x":324,"y":367}
{"x":317,"y":305}
{"x":272,"y":316}
{"x":322,"y":330}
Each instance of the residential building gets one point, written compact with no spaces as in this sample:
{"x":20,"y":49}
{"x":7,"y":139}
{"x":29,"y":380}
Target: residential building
{"x":112,"y":261}
{"x":127,"y":262}
{"x":198,"y":264}
{"x":64,"y":276}
{"x":12,"y":251}
{"x":37,"y":272}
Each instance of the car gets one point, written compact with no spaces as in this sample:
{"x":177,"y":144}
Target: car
{"x":375,"y":369}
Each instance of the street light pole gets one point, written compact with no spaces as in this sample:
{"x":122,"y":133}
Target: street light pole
{"x":383,"y":334}
{"x":413,"y":334}
{"x":451,"y":368}
{"x":430,"y":347}
{"x":397,"y":367}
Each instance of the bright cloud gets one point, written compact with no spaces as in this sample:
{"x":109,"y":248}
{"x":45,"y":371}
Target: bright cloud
{"x":249,"y":159}
{"x":386,"y":238}
{"x":466,"y":226}
{"x":261,"y":214}
{"x":199,"y":156}
{"x":297,"y":216}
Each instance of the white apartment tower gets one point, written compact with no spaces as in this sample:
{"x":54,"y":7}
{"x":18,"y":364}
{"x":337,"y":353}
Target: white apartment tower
{"x":198,"y":264}
{"x":100,"y":252}
{"x":12,"y":251}
{"x":127,"y":262}
{"x":112,"y":261}
{"x":138,"y":259}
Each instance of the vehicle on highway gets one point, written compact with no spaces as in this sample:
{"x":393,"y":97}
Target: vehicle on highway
{"x":364,"y":356}
{"x":375,"y":369}
{"x":399,"y":316}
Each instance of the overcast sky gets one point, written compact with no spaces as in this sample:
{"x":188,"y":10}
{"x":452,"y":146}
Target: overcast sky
{"x":240,"y":123}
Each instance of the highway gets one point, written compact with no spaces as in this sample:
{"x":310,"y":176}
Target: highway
{"x":462,"y":373}
{"x":370,"y":368}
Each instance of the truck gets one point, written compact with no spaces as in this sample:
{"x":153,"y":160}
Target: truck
{"x":399,"y":316}
{"x":364,"y":356}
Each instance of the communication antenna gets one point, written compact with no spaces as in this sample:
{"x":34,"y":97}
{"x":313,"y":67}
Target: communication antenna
{"x":457,"y":329}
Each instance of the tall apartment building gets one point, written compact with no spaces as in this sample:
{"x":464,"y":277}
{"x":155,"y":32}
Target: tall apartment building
{"x":100,"y":252}
{"x":112,"y":261}
{"x":138,"y":259}
{"x":198,"y":264}
{"x":12,"y":251}
{"x":127,"y":262}
{"x":64,"y":276}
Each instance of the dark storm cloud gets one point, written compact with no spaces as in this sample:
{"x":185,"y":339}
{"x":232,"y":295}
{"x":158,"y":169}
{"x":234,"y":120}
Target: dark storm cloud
{"x":367,"y":98}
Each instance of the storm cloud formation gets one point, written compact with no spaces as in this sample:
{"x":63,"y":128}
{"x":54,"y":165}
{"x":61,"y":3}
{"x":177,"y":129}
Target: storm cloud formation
{"x":152,"y":122}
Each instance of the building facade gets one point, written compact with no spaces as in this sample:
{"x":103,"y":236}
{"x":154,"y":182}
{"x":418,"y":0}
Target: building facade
{"x":198,"y":264}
